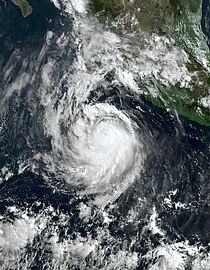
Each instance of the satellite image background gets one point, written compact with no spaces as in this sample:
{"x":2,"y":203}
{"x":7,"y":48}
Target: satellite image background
{"x":105,"y":135}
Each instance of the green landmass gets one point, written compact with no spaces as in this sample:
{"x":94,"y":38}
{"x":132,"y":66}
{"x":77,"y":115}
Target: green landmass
{"x":26,"y":9}
{"x":145,"y":11}
{"x":179,"y":20}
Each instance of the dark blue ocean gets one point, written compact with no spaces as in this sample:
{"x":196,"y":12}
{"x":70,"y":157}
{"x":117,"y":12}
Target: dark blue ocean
{"x":205,"y":22}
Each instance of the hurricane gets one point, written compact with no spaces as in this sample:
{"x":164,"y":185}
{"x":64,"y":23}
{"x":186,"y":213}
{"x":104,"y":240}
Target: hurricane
{"x":104,"y":135}
{"x":96,"y":148}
